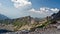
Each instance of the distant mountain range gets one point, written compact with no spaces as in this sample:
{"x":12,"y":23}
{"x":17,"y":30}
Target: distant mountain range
{"x":26,"y":20}
{"x":2,"y":17}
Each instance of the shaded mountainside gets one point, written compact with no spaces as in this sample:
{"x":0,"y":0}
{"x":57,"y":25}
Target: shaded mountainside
{"x":56,"y":16}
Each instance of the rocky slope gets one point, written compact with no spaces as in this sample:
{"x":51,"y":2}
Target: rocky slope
{"x":21,"y":23}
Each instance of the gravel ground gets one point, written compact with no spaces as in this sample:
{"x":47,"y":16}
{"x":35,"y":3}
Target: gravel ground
{"x":37,"y":31}
{"x":47,"y":31}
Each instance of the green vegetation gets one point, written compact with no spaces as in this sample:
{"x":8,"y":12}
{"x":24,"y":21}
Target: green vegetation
{"x":19,"y":24}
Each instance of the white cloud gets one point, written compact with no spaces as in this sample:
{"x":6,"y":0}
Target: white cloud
{"x":35,"y":11}
{"x":54,"y":9}
{"x":21,"y":3}
{"x":0,"y":4}
{"x":44,"y":11}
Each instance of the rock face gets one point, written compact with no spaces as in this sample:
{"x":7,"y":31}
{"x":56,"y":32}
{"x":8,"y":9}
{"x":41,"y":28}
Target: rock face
{"x":56,"y":19}
{"x":56,"y":16}
{"x":7,"y":27}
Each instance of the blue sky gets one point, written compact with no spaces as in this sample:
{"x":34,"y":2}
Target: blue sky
{"x":46,"y":3}
{"x":34,"y":8}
